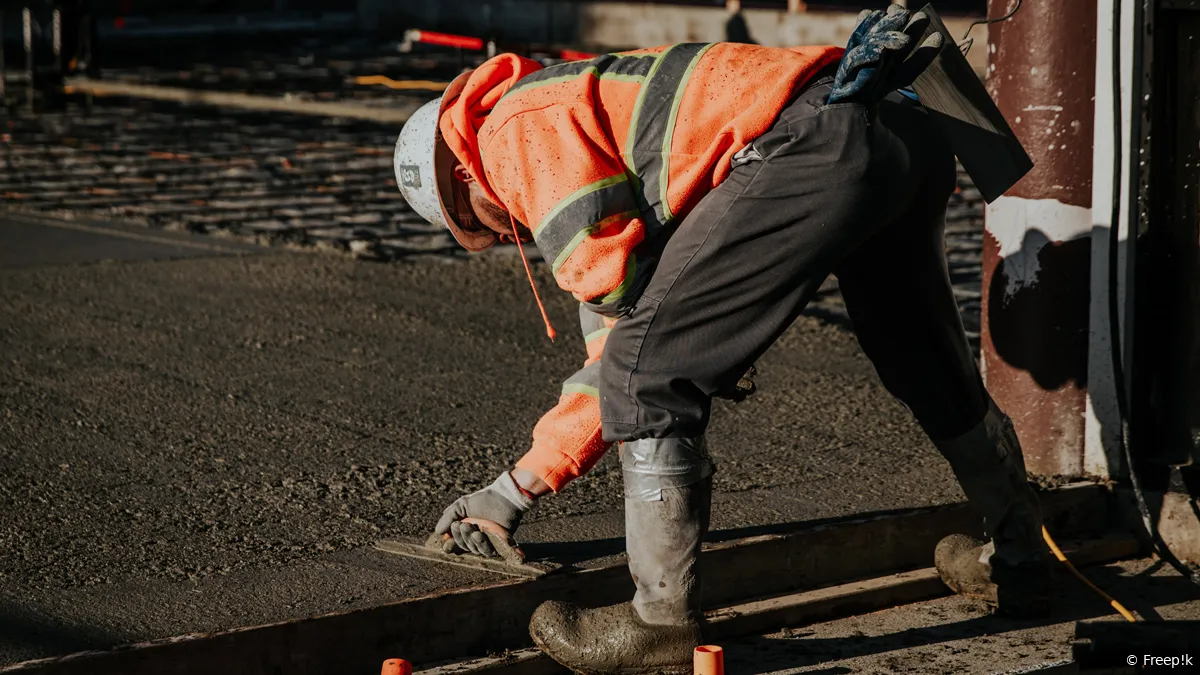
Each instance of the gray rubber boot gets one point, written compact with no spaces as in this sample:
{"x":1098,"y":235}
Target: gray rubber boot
{"x":664,"y":525}
{"x":1012,"y":572}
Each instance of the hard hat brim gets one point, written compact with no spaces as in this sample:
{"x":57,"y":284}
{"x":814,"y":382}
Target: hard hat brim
{"x":443,"y":162}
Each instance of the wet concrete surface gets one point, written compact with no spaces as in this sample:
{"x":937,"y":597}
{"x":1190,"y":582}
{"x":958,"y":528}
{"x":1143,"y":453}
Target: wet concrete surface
{"x":954,"y":635}
{"x":199,"y":443}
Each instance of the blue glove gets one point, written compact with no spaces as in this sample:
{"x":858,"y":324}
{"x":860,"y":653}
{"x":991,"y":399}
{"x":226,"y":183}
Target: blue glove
{"x":882,"y":55}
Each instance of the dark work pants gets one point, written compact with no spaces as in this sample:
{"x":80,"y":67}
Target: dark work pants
{"x":844,"y":189}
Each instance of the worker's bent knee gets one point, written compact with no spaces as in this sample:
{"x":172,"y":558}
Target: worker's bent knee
{"x":645,"y":392}
{"x":649,"y":405}
{"x":618,"y":408}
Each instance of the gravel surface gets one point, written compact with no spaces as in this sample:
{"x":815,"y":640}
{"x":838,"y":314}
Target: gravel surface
{"x":180,"y":438}
{"x":954,"y":635}
{"x":217,"y":398}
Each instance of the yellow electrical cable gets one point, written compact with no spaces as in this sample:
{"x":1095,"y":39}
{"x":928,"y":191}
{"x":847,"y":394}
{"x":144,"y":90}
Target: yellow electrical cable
{"x":1063,"y":559}
{"x":401,"y":84}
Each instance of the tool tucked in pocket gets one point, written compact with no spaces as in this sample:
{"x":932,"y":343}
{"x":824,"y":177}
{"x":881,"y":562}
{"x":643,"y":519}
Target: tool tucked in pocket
{"x":743,"y":389}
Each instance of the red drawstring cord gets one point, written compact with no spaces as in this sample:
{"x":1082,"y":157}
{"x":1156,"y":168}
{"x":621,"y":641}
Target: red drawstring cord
{"x":528,"y":273}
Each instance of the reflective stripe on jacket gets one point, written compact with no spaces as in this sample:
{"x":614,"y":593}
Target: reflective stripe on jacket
{"x":600,"y":159}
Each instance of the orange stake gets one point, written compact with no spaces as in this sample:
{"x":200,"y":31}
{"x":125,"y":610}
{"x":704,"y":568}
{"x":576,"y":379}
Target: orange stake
{"x":708,"y":660}
{"x":396,"y":667}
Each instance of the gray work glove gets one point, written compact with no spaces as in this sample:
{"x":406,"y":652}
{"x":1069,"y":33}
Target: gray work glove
{"x":883,"y":56}
{"x":502,"y":503}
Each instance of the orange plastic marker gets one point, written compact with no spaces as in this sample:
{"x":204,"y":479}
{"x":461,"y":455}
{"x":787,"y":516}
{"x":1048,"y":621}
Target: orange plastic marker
{"x":708,"y":660}
{"x":396,"y":667}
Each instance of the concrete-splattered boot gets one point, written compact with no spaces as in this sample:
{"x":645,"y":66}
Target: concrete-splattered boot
{"x":1012,"y":571}
{"x":668,"y":491}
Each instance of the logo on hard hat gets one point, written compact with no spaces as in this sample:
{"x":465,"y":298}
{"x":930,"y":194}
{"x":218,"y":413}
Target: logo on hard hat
{"x":410,"y":175}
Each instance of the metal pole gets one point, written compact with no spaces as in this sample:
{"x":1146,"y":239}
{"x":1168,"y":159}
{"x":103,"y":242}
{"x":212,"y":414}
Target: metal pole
{"x":1037,"y":240}
{"x":57,"y":39}
{"x":27,"y":33}
{"x":3,"y":72}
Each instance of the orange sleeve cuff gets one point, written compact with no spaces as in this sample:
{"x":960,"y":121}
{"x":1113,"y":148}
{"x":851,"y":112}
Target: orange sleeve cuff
{"x":567,"y":441}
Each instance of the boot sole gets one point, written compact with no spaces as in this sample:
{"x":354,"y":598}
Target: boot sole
{"x":985,"y":594}
{"x":649,"y":670}
{"x":1027,"y":608}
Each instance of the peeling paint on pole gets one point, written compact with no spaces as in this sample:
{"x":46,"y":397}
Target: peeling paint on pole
{"x":1037,"y":242}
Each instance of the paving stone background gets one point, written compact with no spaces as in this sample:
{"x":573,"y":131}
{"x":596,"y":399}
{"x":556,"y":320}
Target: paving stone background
{"x":289,"y":180}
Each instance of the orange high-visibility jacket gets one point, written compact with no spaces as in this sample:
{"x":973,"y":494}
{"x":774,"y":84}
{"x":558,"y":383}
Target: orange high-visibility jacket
{"x":597,"y":157}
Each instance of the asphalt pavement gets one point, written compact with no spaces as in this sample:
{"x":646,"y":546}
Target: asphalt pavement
{"x":197,"y":433}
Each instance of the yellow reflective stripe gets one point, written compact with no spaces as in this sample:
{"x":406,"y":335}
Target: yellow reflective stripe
{"x":649,"y":140}
{"x":620,"y":77}
{"x":630,"y":268}
{"x":670,"y":131}
{"x":575,"y":388}
{"x":583,"y":234}
{"x":576,"y":195}
{"x":604,"y":67}
{"x":596,"y":335}
{"x":631,"y":138}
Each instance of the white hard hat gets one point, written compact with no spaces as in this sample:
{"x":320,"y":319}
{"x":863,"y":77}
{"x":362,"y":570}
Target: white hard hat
{"x":422,"y":162}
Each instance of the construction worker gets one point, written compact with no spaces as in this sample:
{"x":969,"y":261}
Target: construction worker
{"x":693,"y":198}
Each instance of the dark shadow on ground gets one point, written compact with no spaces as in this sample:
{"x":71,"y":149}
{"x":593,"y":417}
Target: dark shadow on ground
{"x":573,"y":552}
{"x":1139,"y":594}
{"x":24,"y":633}
{"x":569,"y":553}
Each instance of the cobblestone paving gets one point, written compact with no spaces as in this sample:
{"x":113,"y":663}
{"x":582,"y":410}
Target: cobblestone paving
{"x":306,"y":71}
{"x":287,"y":180}
{"x":279,"y":180}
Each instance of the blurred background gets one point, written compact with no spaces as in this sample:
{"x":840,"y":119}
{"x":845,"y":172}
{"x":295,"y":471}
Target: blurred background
{"x":232,"y":358}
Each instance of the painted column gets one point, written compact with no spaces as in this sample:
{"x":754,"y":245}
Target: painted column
{"x":1102,"y":450}
{"x":1037,"y":241}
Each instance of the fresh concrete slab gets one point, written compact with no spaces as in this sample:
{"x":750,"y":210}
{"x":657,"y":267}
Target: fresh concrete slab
{"x":198,"y":444}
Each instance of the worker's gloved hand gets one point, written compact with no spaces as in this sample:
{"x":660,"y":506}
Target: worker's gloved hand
{"x":883,"y":55}
{"x":502,"y":502}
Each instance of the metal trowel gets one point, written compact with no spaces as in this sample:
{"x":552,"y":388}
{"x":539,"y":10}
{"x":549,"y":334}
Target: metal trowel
{"x":512,"y":560}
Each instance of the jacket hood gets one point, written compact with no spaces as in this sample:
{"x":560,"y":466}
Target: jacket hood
{"x":463,"y":117}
